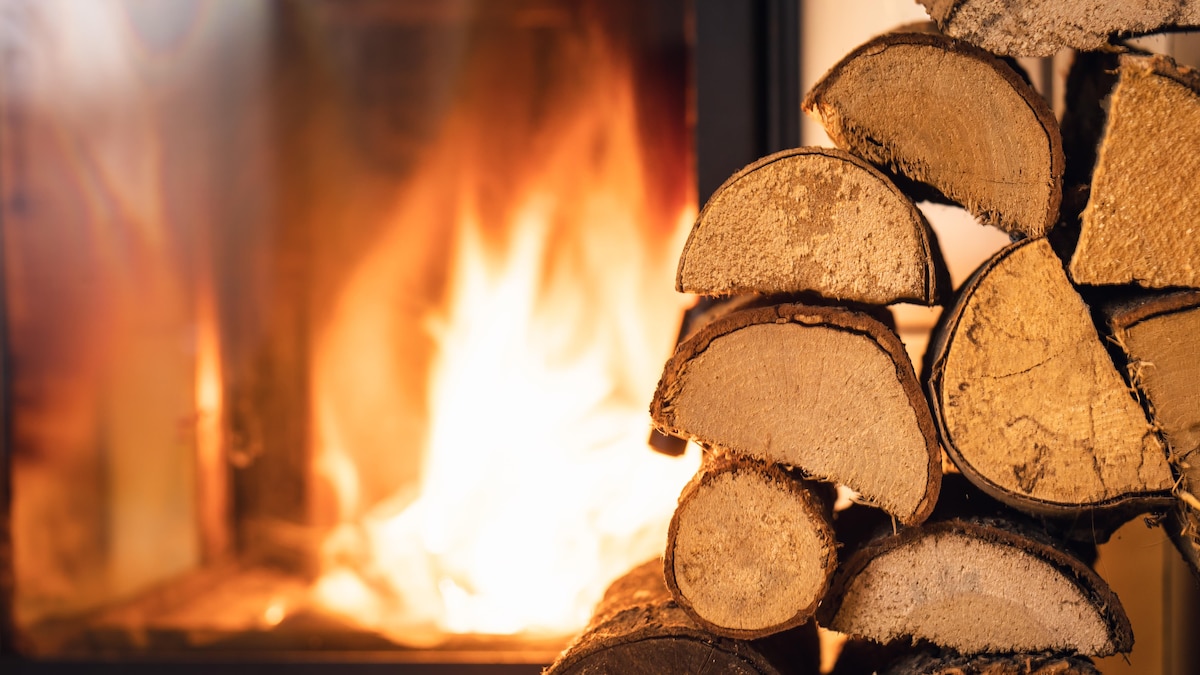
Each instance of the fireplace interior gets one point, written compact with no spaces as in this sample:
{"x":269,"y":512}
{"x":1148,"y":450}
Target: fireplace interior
{"x":329,"y":325}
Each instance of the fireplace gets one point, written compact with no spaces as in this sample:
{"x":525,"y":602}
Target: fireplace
{"x":330,"y":325}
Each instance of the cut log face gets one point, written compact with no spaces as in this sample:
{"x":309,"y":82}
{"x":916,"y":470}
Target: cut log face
{"x":812,"y":219}
{"x":1030,"y":405}
{"x":947,"y":114}
{"x":750,"y":551}
{"x":1042,"y":27}
{"x":824,"y":389}
{"x":1007,"y":664}
{"x":1161,"y":337}
{"x":638,"y":629}
{"x":1139,"y":225}
{"x":976,"y":589}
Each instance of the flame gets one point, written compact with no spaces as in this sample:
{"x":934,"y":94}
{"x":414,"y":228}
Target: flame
{"x":536,"y":487}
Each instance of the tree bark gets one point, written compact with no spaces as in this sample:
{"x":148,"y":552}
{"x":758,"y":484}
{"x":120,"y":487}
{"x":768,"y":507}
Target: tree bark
{"x":638,"y":629}
{"x":1042,"y":27}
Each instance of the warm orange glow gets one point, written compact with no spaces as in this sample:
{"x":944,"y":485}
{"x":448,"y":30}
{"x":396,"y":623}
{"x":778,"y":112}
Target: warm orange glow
{"x":213,"y":498}
{"x":536,"y":487}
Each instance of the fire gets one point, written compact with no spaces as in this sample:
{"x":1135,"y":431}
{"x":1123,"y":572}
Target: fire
{"x":536,"y":487}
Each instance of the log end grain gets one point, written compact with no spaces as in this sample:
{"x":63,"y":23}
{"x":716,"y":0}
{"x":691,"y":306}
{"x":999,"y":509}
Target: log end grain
{"x":976,"y":589}
{"x":750,"y":551}
{"x":824,"y":389}
{"x":812,"y":219}
{"x":942,"y":112}
{"x":1132,"y":232}
{"x":1030,"y":405}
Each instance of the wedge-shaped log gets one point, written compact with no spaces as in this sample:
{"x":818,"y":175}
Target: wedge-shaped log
{"x":638,"y":629}
{"x":1140,"y":221}
{"x":975,"y":588}
{"x":1029,"y":403}
{"x":824,"y":389}
{"x":813,"y":219}
{"x":1042,"y":27}
{"x":750,"y":550}
{"x":942,"y":112}
{"x":1161,"y":337}
{"x":947,"y":663}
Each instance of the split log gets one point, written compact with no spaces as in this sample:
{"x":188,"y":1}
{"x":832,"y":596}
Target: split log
{"x":1161,"y":337}
{"x":813,"y":219}
{"x":709,"y":308}
{"x":1089,"y":82}
{"x":638,"y":628}
{"x":944,"y":113}
{"x":925,"y":663}
{"x":750,"y":550}
{"x":1042,"y":27}
{"x":1139,"y":225}
{"x":1029,"y":403}
{"x":824,"y":389}
{"x":975,"y":588}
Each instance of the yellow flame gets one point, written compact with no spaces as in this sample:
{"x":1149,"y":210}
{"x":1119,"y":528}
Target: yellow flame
{"x":537,"y":488}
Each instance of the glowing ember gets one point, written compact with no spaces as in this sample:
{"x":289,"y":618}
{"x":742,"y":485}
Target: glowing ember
{"x":537,"y":487}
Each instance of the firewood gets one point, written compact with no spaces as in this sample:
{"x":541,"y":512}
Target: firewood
{"x":1029,"y":403}
{"x":638,"y":629}
{"x":750,"y":551}
{"x":944,"y":113}
{"x":925,"y":663}
{"x":813,"y":219}
{"x":824,"y":389}
{"x":975,"y":588}
{"x":1161,"y":336}
{"x":1139,"y":224}
{"x":1089,"y":82}
{"x":1042,"y":27}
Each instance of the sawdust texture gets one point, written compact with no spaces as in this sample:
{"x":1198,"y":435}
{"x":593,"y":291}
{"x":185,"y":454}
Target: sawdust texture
{"x":825,"y":389}
{"x":1042,"y":27}
{"x":1032,"y":408}
{"x":812,"y":219}
{"x":1140,"y":224}
{"x":947,"y":114}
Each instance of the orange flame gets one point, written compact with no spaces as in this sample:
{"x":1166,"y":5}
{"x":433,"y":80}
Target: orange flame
{"x":537,"y":488}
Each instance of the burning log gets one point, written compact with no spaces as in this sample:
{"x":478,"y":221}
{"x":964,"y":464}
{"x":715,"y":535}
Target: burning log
{"x":944,"y":113}
{"x":1080,"y":440}
{"x":828,"y":390}
{"x":637,"y":628}
{"x":1154,"y":113}
{"x":1042,"y":27}
{"x":750,"y":550}
{"x":1161,"y":337}
{"x":813,"y":219}
{"x":975,"y":587}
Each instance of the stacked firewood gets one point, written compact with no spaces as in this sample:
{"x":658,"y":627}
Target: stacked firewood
{"x":1060,"y":380}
